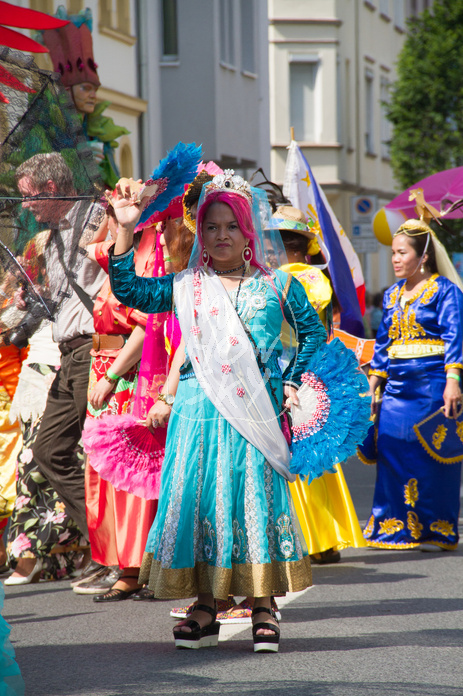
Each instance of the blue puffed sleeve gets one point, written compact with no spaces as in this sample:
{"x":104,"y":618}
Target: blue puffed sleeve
{"x":450,"y":319}
{"x":149,"y":295}
{"x":309,"y":330}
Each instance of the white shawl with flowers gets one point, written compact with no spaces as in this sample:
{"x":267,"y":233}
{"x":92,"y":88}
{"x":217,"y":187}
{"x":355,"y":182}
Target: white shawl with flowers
{"x":225,"y":364}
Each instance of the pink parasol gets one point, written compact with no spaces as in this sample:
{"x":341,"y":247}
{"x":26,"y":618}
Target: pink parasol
{"x":440,"y":190}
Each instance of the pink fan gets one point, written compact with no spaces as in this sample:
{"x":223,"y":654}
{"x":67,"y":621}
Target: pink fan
{"x":124,"y":452}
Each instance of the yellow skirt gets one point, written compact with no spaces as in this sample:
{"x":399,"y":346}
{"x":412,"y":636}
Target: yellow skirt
{"x":326,"y":513}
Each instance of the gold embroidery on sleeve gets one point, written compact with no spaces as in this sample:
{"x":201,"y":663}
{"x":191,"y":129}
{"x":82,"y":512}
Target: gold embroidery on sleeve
{"x":393,"y":298}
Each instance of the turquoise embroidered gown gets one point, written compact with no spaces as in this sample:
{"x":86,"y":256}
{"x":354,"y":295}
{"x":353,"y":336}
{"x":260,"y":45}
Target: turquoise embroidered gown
{"x":416,"y":498}
{"x":225,"y":523}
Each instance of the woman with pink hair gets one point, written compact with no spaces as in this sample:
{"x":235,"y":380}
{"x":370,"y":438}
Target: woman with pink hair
{"x":225,"y":523}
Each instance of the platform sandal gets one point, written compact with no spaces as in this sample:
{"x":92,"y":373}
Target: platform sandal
{"x":206,"y":637}
{"x":262,"y":642}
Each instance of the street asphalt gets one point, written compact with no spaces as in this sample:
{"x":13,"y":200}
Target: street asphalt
{"x":379,"y":623}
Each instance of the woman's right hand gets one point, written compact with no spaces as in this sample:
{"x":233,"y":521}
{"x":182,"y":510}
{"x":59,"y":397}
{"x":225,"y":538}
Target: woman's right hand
{"x":125,"y":205}
{"x":158,"y":415}
{"x":374,"y":382}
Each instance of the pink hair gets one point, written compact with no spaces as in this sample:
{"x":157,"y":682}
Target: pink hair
{"x":242,"y":212}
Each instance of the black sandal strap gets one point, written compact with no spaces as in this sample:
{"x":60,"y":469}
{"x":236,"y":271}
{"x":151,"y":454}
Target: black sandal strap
{"x":209,"y":610}
{"x":263,"y":610}
{"x":190,"y":623}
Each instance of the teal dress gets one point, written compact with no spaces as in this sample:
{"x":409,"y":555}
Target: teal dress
{"x":225,"y":522}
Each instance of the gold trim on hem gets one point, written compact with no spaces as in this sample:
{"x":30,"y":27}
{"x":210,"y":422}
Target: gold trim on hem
{"x":386,"y":545}
{"x":246,"y":579}
{"x":365,"y":460}
{"x":378,"y":373}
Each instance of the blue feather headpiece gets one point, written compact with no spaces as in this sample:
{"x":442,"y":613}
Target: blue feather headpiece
{"x":173,"y":172}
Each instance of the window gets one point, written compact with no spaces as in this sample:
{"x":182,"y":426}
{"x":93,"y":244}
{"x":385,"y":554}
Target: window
{"x":106,"y":13}
{"x":399,"y":14}
{"x":227,"y":32}
{"x":123,"y":16}
{"x":248,"y":63}
{"x":302,"y":79}
{"x":385,"y":123}
{"x":42,"y":6}
{"x":126,"y":161}
{"x":74,"y":6}
{"x":369,"y":112}
{"x":169,"y":30}
{"x":384,"y":7}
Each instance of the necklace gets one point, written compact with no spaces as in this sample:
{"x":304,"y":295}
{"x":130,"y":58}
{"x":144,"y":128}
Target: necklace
{"x":230,"y":270}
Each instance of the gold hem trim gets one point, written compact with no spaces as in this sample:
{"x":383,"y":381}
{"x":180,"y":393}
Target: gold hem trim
{"x":365,"y":460}
{"x":378,"y":373}
{"x":249,"y":580}
{"x":411,"y":545}
{"x":451,"y":366}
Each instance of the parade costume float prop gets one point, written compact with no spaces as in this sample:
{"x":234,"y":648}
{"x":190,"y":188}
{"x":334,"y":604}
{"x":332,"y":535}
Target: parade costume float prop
{"x":71,"y":50}
{"x":322,"y":501}
{"x":416,"y":500}
{"x":225,"y":523}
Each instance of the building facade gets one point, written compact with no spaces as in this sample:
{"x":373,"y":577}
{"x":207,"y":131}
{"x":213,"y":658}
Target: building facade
{"x":331,"y":64}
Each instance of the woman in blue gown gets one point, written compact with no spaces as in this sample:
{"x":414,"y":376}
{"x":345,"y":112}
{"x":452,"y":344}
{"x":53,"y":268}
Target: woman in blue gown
{"x":225,"y":522}
{"x":418,"y":353}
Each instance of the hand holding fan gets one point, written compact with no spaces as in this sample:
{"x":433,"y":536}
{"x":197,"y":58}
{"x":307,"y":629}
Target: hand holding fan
{"x":124,"y":452}
{"x":333,"y":413}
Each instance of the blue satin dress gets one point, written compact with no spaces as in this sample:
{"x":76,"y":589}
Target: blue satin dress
{"x":416,"y":498}
{"x":225,"y":522}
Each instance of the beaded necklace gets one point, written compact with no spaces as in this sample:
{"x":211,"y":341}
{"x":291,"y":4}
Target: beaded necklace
{"x":231,"y":270}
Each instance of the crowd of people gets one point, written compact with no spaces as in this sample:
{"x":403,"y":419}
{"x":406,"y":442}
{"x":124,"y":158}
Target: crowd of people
{"x":184,"y":342}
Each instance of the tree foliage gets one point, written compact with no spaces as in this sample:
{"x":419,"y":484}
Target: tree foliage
{"x":426,"y":107}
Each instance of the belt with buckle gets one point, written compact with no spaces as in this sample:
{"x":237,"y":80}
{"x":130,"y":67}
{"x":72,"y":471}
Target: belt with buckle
{"x":67,"y":347}
{"x":108,"y":341}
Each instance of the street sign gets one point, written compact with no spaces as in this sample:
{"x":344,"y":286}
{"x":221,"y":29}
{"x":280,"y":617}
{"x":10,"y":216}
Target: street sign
{"x":362,"y":230}
{"x":363,"y":209}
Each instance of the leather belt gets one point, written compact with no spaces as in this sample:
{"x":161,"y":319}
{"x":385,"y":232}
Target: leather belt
{"x":108,"y":341}
{"x":67,"y":347}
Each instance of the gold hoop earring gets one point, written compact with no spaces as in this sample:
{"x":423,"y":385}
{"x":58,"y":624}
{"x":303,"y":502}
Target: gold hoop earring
{"x":247,"y":255}
{"x":206,"y":258}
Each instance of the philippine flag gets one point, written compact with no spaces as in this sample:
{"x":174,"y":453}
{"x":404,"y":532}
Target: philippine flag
{"x":304,"y":193}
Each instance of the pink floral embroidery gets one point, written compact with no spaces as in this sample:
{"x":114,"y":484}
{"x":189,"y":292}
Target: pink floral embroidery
{"x":213,"y":311}
{"x":197,"y":288}
{"x":233,"y":340}
{"x":20,"y":544}
{"x":240,"y":392}
{"x":195,"y":330}
{"x":226,"y":369}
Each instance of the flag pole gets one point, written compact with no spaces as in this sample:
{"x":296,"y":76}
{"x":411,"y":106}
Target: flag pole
{"x":291,"y":133}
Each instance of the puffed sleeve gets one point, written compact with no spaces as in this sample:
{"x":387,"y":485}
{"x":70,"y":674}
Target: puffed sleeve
{"x":149,"y":295}
{"x":450,"y":319}
{"x":380,"y":362}
{"x":309,"y":330}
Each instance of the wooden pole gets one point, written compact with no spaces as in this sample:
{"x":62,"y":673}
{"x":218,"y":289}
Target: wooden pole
{"x":291,"y":132}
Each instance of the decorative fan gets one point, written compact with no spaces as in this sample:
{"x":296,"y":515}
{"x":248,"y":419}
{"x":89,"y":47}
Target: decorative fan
{"x":332,"y":417}
{"x":442,"y":437}
{"x":124,"y":452}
